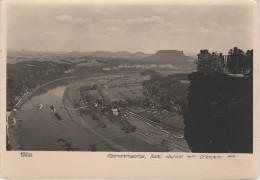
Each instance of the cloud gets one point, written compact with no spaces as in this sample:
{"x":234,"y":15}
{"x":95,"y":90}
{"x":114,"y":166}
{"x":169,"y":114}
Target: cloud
{"x":184,"y":29}
{"x":38,"y":34}
{"x":99,"y":11}
{"x":212,"y":23}
{"x":111,"y":21}
{"x":65,"y":18}
{"x":113,"y":30}
{"x":153,"y":20}
{"x":159,"y":26}
{"x":50,"y":33}
{"x":173,"y":12}
{"x":167,"y":11}
{"x":145,"y":20}
{"x":239,"y":28}
{"x":204,"y":31}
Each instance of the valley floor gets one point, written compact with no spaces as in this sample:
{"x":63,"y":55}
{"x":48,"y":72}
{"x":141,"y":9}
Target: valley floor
{"x":148,"y":136}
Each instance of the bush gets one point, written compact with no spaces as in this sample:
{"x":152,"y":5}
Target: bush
{"x":133,"y":128}
{"x":148,"y":72}
{"x":127,"y":131}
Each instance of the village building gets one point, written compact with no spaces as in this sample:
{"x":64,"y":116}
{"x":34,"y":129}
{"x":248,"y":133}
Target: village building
{"x":115,"y":112}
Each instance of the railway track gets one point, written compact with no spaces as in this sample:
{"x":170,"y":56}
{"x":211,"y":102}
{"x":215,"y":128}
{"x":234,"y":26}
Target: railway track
{"x":168,"y":144}
{"x":178,"y":136}
{"x":152,"y":124}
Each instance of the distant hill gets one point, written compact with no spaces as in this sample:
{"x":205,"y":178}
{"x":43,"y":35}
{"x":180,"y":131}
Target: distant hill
{"x":119,"y":54}
{"x":26,"y":50}
{"x":138,"y":54}
{"x":168,"y":57}
{"x":160,"y":57}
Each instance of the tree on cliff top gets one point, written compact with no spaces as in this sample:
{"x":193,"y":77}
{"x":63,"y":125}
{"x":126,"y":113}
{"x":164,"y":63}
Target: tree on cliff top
{"x":209,"y":63}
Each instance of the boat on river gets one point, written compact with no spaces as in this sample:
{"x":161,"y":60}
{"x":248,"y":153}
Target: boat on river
{"x":39,"y":106}
{"x":53,"y":108}
{"x":57,"y":116}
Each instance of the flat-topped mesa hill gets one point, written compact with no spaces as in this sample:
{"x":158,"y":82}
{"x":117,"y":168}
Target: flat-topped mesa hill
{"x":168,"y":57}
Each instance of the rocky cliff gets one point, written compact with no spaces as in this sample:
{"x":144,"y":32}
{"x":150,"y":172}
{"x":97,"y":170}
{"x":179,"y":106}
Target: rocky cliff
{"x":220,"y":114}
{"x":168,"y":57}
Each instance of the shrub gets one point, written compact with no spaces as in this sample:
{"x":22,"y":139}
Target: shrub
{"x":148,"y":72}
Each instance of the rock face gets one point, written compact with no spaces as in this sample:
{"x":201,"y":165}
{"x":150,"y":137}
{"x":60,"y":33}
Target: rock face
{"x":219,"y":118}
{"x":168,"y":57}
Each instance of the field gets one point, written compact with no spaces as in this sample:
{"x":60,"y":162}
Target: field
{"x":114,"y":88}
{"x":90,"y":63}
{"x":122,"y":88}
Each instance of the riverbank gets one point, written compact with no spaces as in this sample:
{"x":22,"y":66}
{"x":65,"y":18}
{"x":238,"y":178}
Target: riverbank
{"x":70,"y":94}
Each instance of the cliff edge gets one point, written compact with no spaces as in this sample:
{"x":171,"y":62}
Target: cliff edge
{"x":219,"y":118}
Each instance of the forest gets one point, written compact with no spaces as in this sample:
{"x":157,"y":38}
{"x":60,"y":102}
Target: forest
{"x":170,"y":92}
{"x":25,"y":76}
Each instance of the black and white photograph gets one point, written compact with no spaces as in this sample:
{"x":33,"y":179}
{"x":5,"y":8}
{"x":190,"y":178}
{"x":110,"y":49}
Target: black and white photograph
{"x":124,"y":77}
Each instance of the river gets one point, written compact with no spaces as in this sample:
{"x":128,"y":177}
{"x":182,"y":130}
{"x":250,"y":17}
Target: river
{"x":41,"y":130}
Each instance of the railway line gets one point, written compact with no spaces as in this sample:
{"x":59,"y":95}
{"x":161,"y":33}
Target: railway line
{"x":175,"y":146}
{"x":160,"y":128}
{"x":153,"y":124}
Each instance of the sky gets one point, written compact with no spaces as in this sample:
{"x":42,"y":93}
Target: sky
{"x":117,"y":27}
